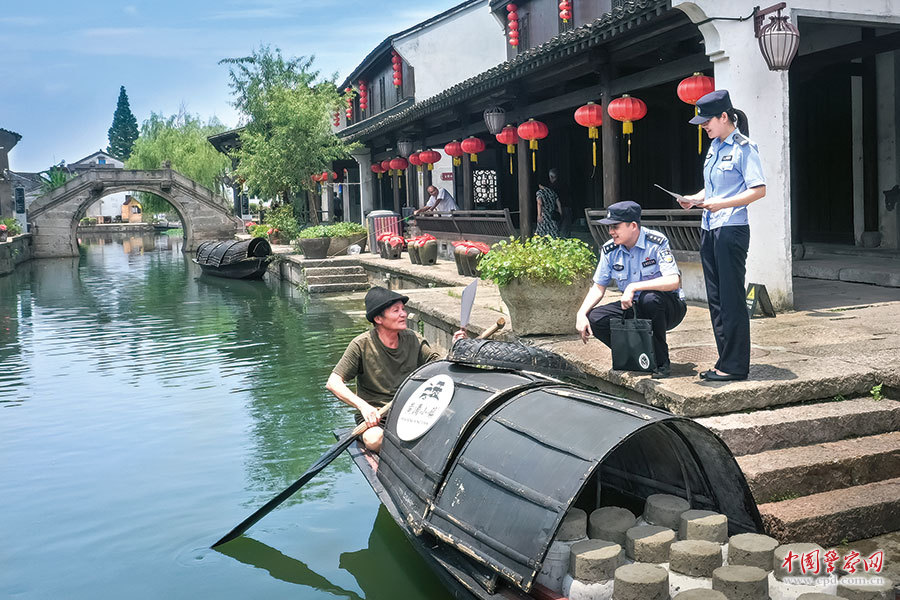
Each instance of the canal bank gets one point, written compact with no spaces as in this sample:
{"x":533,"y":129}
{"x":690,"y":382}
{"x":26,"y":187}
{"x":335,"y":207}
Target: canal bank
{"x":14,"y":251}
{"x":814,"y":428}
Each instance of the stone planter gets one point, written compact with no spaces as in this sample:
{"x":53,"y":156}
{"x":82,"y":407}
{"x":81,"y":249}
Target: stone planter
{"x":315,"y":247}
{"x":339,"y":245}
{"x":428,"y":252}
{"x":3,"y":235}
{"x":543,"y":308}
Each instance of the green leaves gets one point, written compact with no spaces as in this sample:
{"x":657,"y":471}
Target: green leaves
{"x":124,"y":130}
{"x":540,"y":259}
{"x":336,"y":230}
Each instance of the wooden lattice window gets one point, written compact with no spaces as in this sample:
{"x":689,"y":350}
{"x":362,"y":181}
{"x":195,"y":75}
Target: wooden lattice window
{"x":484,"y":186}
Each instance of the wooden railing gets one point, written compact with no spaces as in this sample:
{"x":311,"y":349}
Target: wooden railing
{"x":682,"y":227}
{"x":487,"y":226}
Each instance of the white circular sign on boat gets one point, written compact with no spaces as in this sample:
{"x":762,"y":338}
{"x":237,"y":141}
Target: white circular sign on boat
{"x":424,"y":407}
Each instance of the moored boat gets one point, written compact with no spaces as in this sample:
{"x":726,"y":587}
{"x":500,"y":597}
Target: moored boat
{"x":486,"y":452}
{"x":234,"y":259}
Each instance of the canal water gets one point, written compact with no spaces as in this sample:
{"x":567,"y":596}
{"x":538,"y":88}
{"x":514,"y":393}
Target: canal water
{"x":146,"y":410}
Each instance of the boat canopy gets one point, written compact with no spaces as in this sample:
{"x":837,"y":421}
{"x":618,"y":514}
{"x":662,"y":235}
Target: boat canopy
{"x":513,"y":451}
{"x":221,"y":253}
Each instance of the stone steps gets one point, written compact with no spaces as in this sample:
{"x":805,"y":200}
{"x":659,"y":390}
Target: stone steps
{"x":333,"y":271}
{"x":331,"y":288}
{"x":321,"y":279}
{"x":329,"y":280}
{"x":828,"y":518}
{"x":804,"y":425}
{"x":807,"y":470}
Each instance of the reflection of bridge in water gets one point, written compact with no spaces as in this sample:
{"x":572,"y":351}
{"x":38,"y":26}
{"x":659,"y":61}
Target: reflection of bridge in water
{"x":55,"y":216}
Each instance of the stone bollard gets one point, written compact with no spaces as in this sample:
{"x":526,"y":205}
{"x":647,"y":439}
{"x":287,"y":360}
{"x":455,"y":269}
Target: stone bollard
{"x":592,"y":567}
{"x":665,"y":510}
{"x":751,"y":550}
{"x":870,"y":590}
{"x":610,"y":523}
{"x":649,"y":543}
{"x":701,"y":595}
{"x":640,"y":581}
{"x":703,"y":525}
{"x":741,"y":583}
{"x":428,"y":252}
{"x":691,"y":565}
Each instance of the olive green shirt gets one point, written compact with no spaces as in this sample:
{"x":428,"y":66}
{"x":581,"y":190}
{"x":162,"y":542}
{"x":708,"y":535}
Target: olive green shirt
{"x":380,"y":370}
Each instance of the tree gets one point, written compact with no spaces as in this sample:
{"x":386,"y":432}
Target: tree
{"x":54,"y":177}
{"x":287,"y":109}
{"x":124,"y":129}
{"x":181,"y":140}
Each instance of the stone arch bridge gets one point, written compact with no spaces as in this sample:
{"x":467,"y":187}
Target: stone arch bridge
{"x":55,"y":216}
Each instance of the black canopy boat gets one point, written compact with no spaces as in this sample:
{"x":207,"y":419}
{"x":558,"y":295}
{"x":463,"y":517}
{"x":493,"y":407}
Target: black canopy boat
{"x":484,"y":453}
{"x":235,"y":259}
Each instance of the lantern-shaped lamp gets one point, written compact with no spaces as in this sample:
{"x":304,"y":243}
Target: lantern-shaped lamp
{"x":691,"y":89}
{"x":429,"y":157}
{"x":533,"y":131}
{"x":472,"y":146}
{"x":494,"y":119}
{"x":414,"y":160}
{"x":627,"y":109}
{"x":591,"y":116}
{"x":404,"y":147}
{"x":455,"y":150}
{"x":778,"y":39}
{"x":509,"y":137}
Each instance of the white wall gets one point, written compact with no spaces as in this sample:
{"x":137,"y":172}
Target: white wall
{"x":453,"y":49}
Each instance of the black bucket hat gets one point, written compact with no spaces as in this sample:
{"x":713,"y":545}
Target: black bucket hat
{"x":378,"y":299}
{"x":711,"y":105}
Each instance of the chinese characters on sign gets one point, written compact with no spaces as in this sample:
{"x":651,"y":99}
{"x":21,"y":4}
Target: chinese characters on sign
{"x":424,"y":407}
{"x":809,"y":563}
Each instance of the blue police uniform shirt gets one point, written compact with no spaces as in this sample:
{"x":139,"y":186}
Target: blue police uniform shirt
{"x":732,"y":165}
{"x":650,"y":258}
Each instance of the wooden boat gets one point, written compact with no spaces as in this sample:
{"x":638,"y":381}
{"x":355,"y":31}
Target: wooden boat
{"x":479,"y":478}
{"x":234,"y":259}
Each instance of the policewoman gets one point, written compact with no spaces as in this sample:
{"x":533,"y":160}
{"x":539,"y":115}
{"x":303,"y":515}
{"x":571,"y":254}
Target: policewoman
{"x":732,"y":180}
{"x":639,"y":260}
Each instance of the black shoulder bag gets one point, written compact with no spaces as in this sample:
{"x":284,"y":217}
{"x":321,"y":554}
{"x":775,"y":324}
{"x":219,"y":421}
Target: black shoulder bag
{"x":632,"y":344}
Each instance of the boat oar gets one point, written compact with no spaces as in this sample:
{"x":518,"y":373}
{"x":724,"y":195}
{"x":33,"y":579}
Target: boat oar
{"x":323,"y":462}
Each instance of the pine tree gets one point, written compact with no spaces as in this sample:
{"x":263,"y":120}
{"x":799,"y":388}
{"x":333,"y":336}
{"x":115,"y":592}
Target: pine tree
{"x":124,"y":129}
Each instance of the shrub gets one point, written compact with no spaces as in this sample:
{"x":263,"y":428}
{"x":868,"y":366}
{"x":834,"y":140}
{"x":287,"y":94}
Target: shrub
{"x":336,"y":230}
{"x":282,"y":219}
{"x":540,"y":259}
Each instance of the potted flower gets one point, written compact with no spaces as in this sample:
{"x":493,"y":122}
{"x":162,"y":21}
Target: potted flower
{"x":344,"y":235}
{"x":314,"y":241}
{"x":542,"y":281}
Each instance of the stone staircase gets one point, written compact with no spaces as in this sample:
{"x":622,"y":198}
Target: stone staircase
{"x":820,"y":470}
{"x":328,"y":280}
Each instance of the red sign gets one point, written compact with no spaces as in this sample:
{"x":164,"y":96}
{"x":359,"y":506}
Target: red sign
{"x":447,"y":176}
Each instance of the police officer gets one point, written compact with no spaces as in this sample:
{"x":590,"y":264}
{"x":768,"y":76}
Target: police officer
{"x":641,"y":263}
{"x":732,"y":179}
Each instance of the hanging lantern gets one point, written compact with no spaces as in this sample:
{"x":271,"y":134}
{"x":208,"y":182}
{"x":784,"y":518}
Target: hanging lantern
{"x":509,"y":137}
{"x":627,"y":109}
{"x":455,"y":150}
{"x":429,"y":157}
{"x":398,"y":164}
{"x":397,"y":66}
{"x":512,"y":18}
{"x":415,"y":161}
{"x":386,"y":166}
{"x":404,"y":147}
{"x":591,"y":116}
{"x":533,"y":131}
{"x":778,"y":39}
{"x":363,"y":96}
{"x":376,"y":168}
{"x":565,"y":10}
{"x":691,"y":89}
{"x":337,"y":118}
{"x":472,"y":146}
{"x":494,"y":119}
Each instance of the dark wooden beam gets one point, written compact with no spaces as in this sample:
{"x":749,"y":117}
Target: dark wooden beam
{"x":610,"y":146}
{"x":664,"y":73}
{"x":525,"y":196}
{"x":870,"y":138}
{"x":870,"y":45}
{"x":395,"y":182}
{"x":468,"y":187}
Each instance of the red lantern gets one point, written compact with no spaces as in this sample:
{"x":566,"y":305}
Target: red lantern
{"x":565,"y":10}
{"x":472,"y":146}
{"x":376,"y":168}
{"x":415,"y":161}
{"x":429,"y":157}
{"x":455,"y":150}
{"x":512,"y":18}
{"x":397,"y":66}
{"x":509,"y":137}
{"x":363,"y":95}
{"x":691,"y":89}
{"x":398,"y":164}
{"x":591,"y":116}
{"x":627,"y":110}
{"x":386,"y":166}
{"x":533,"y":131}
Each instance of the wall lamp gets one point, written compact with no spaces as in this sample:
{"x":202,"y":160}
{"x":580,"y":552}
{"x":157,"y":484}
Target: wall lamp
{"x":778,"y":39}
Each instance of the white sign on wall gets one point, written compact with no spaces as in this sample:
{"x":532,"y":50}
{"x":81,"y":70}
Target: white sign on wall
{"x":424,"y":407}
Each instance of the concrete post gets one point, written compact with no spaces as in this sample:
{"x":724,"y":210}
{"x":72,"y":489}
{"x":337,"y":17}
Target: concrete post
{"x":366,"y":187}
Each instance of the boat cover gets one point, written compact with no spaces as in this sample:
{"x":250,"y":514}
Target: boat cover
{"x":221,"y":253}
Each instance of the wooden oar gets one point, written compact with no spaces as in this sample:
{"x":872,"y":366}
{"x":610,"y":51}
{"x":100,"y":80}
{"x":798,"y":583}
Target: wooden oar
{"x":323,"y":462}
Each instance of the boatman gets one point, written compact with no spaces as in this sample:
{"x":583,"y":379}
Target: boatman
{"x":642,"y":265}
{"x":380,"y":360}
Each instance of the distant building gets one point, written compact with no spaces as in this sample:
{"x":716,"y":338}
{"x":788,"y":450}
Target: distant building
{"x":108,"y":206}
{"x":131,"y":210}
{"x":8,"y":140}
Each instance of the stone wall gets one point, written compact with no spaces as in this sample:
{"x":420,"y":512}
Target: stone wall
{"x":15,"y":250}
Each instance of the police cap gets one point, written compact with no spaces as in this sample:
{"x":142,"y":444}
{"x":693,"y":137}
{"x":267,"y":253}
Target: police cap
{"x":711,"y":105}
{"x":622,"y":212}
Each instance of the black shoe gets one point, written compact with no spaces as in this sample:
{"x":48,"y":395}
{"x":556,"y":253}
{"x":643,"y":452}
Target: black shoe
{"x":705,"y":374}
{"x":713,"y":376}
{"x":661,"y":372}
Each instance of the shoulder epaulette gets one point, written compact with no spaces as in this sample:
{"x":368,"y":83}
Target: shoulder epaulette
{"x":742,"y":139}
{"x":608,"y":246}
{"x":655,"y":236}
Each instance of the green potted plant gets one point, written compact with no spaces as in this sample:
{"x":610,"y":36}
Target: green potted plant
{"x":542,"y":281}
{"x":9,"y":228}
{"x":344,"y":235}
{"x":281,"y":226}
{"x":314,"y":241}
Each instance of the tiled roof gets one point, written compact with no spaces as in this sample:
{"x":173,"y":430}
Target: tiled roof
{"x":12,"y":133}
{"x":621,"y":18}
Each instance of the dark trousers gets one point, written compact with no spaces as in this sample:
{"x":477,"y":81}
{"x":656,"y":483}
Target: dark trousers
{"x":664,"y":309}
{"x":723,"y":253}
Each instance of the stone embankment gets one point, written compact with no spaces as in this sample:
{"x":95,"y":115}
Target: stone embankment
{"x":15,"y":250}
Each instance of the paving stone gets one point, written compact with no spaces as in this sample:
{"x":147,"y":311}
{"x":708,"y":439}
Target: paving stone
{"x":649,"y":543}
{"x":818,"y":596}
{"x":741,"y":583}
{"x":867,"y":591}
{"x":701,"y":595}
{"x":641,"y":581}
{"x":794,"y":569}
{"x":703,"y":525}
{"x":574,"y":526}
{"x":698,"y":558}
{"x":665,"y":510}
{"x":610,"y":523}
{"x":593,"y":561}
{"x":751,"y":550}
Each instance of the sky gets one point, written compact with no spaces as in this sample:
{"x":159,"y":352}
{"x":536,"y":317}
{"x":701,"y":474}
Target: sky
{"x":61,"y":63}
